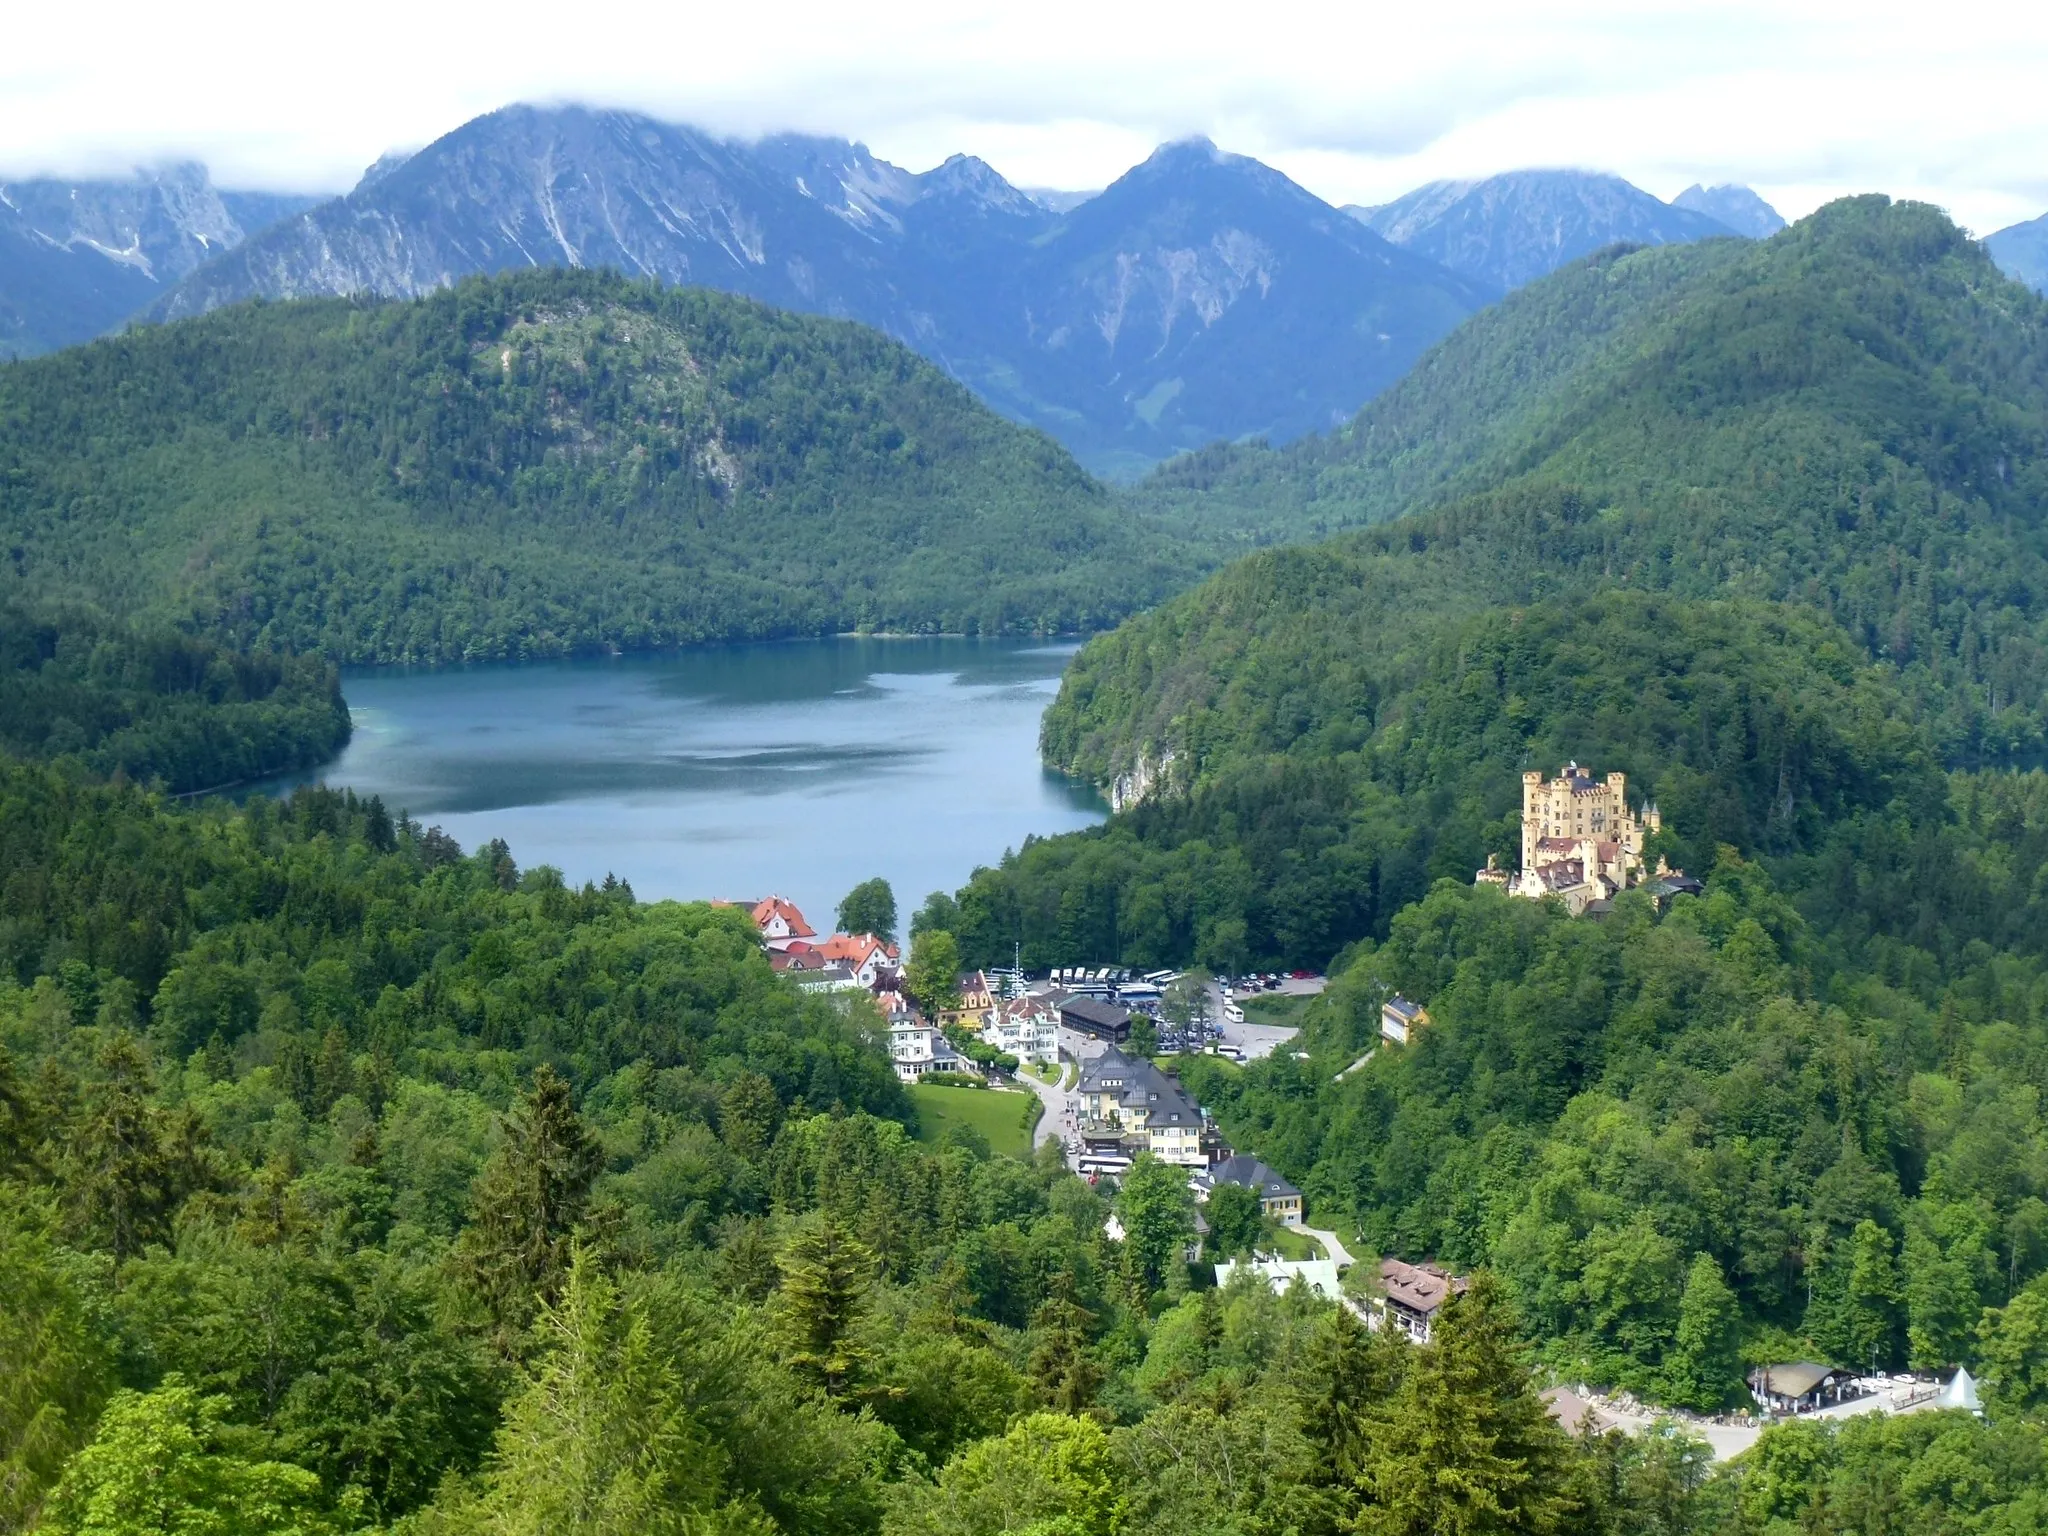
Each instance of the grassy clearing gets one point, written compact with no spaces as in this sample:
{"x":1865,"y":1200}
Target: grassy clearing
{"x":1274,"y":1008}
{"x":997,"y":1114}
{"x":1296,"y":1245}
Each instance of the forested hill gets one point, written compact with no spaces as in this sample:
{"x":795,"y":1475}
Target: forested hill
{"x":536,"y":463}
{"x":1853,"y":414}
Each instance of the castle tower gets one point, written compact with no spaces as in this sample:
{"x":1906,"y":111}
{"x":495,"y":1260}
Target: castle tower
{"x":1533,"y":809}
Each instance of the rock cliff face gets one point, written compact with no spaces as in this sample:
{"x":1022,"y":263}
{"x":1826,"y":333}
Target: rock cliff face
{"x":79,"y":257}
{"x":1512,"y":229}
{"x":1202,"y":296}
{"x":2022,"y":252}
{"x":1146,"y":777}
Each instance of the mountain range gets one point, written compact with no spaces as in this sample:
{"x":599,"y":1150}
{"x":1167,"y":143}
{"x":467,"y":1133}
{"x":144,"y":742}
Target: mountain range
{"x":78,"y":258}
{"x":1514,"y":228}
{"x":1202,"y":296}
{"x":1853,"y":415}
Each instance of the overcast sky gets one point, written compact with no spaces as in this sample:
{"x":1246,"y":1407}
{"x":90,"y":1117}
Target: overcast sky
{"x":1803,"y":99}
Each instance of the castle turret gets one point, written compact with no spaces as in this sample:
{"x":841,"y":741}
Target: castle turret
{"x":1532,"y":817}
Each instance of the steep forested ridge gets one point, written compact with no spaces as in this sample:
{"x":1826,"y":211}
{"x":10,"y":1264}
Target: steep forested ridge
{"x":542,"y":462}
{"x":1852,"y":415}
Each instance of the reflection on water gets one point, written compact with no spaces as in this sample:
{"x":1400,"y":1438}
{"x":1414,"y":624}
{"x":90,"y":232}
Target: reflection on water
{"x":800,"y":767}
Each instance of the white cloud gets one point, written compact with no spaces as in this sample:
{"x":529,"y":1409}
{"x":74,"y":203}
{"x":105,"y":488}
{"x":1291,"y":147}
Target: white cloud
{"x":1358,"y":101}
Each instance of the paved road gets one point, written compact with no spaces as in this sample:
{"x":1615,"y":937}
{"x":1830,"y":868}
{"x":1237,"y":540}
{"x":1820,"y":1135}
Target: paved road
{"x":1053,"y":1122}
{"x":1332,"y":1245}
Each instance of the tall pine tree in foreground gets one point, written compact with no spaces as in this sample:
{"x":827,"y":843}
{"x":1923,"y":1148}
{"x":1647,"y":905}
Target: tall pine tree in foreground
{"x":528,"y":1204}
{"x":1468,"y":1448}
{"x":825,"y":1279}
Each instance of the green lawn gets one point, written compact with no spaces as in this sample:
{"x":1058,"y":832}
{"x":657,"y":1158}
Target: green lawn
{"x":1296,"y":1245}
{"x":998,"y":1114}
{"x":1274,"y":1008}
{"x":1044,"y":1071}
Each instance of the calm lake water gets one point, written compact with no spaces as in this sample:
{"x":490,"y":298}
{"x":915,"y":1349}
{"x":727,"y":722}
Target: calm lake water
{"x":799,"y":768}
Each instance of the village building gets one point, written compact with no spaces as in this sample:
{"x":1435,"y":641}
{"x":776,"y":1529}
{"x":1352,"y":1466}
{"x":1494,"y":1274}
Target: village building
{"x":868,"y":958}
{"x":1401,"y":1020}
{"x":1799,"y":1387}
{"x":780,"y":923}
{"x":1411,"y":1295}
{"x":977,"y":996}
{"x":1279,"y":1199}
{"x":1027,"y":1028}
{"x":1094,"y":1018}
{"x":1582,"y":842}
{"x":1319,"y":1275}
{"x":1129,"y":1106}
{"x":917,"y":1048}
{"x":825,"y":976}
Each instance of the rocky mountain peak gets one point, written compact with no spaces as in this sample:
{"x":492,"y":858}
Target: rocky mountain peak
{"x":973,"y":179}
{"x":1738,"y":207}
{"x":1510,"y":229}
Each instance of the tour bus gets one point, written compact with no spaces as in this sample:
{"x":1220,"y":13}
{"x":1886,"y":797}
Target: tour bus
{"x":1105,"y":1164}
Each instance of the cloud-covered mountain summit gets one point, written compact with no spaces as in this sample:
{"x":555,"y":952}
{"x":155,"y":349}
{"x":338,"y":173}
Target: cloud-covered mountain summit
{"x":77,"y":257}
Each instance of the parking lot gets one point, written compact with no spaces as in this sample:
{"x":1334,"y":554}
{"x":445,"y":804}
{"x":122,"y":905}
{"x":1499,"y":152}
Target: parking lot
{"x":1255,"y":1041}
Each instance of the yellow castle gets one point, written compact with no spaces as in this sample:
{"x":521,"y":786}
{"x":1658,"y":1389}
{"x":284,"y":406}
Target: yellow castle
{"x":1580,"y":840}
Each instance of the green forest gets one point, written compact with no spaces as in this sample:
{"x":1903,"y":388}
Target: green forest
{"x":541,"y":463}
{"x":352,"y":1182}
{"x":1852,"y":415}
{"x":150,"y":703}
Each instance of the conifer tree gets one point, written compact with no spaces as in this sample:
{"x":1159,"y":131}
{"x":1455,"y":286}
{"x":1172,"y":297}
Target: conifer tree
{"x":1704,"y":1366}
{"x":19,"y":1127}
{"x":825,"y":1280}
{"x":1342,"y":1382}
{"x":333,"y":1072}
{"x":602,"y":1441}
{"x":528,"y":1203}
{"x":746,"y":1115}
{"x":1468,"y":1448}
{"x":295,"y":1072}
{"x":1062,"y":1373}
{"x":218,"y":1062}
{"x":127,"y":1165}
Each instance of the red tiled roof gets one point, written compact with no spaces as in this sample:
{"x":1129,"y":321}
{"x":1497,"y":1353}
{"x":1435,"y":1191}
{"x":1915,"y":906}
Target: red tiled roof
{"x":775,"y":906}
{"x":855,"y":948}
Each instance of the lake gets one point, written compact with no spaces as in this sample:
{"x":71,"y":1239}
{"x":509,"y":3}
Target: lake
{"x":798,"y":768}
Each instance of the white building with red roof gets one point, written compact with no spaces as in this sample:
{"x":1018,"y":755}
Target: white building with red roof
{"x":781,"y":923}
